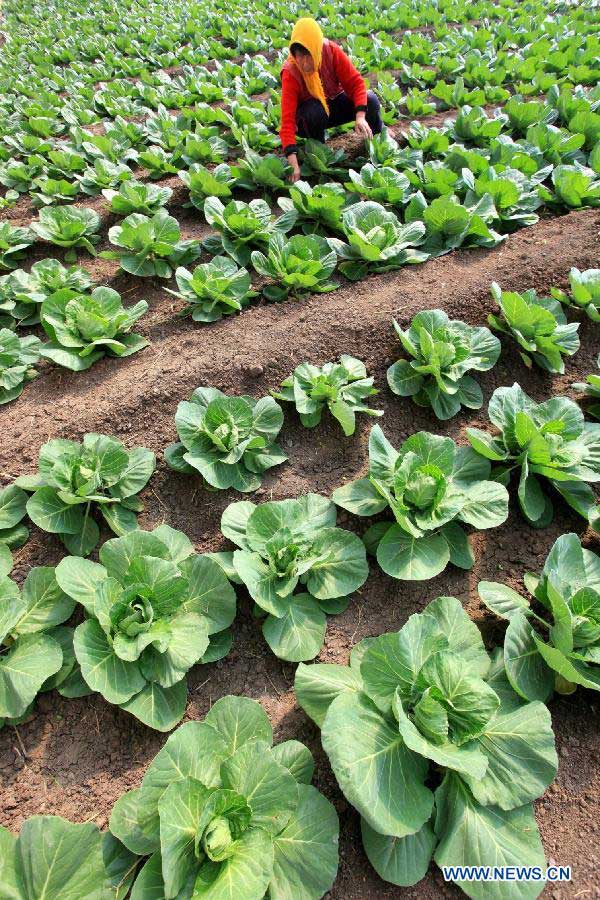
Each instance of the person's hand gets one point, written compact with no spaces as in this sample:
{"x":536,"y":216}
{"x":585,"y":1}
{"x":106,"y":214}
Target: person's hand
{"x":362,"y":127}
{"x":295,"y":173}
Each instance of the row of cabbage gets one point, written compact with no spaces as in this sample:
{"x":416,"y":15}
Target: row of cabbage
{"x":440,"y":746}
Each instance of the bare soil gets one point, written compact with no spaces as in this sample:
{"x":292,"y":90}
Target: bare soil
{"x":75,"y":757}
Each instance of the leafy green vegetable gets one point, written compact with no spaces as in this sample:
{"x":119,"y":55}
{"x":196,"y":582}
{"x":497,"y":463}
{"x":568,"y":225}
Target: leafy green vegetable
{"x":538,"y":325}
{"x":591,"y":388}
{"x":585,"y":292}
{"x":151,"y":245}
{"x":222,"y":812}
{"x":257,"y":171}
{"x":231,"y":441}
{"x":548,"y":440}
{"x":83,"y":327}
{"x":18,"y":355}
{"x":13,"y":509}
{"x":13,"y":242}
{"x":449,"y":225}
{"x":155,"y":609}
{"x":576,"y":186}
{"x":430,"y":486}
{"x":321,"y":159}
{"x":567,"y":653}
{"x":298,"y":264}
{"x":96,"y":474}
{"x":383,"y":184}
{"x":31,"y":641}
{"x":340,"y":387}
{"x":56,"y":858}
{"x":68,"y":226}
{"x":242,"y":226}
{"x":423,"y":700}
{"x":377,"y":240}
{"x":213,"y":290}
{"x":103,"y":175}
{"x":319,"y":208}
{"x":203,"y":182}
{"x":25,"y":291}
{"x":289,"y":542}
{"x":137,"y":197}
{"x":443,"y":351}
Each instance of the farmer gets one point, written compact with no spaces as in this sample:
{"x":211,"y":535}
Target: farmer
{"x":321,"y":88}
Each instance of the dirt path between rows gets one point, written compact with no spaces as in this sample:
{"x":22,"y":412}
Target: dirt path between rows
{"x":75,"y":757}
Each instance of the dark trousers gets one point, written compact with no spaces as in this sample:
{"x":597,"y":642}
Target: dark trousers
{"x":312,"y":120}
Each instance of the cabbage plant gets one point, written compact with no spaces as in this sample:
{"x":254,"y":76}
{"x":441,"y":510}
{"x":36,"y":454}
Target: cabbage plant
{"x":514,"y":195}
{"x":74,"y":479}
{"x":150,"y":245}
{"x":242,"y":226}
{"x":442,"y":352}
{"x":432,"y":487}
{"x":431,"y":746}
{"x":585,"y":292}
{"x":83,"y":327}
{"x":223,"y":812}
{"x":64,"y":859}
{"x":319,"y":159}
{"x":287,"y":543}
{"x":544,"y":442}
{"x":13,"y":534}
{"x":137,"y":197}
{"x":13,"y":243}
{"x":18,"y":356}
{"x":559,"y":648}
{"x":230,"y":441}
{"x":449,"y":224}
{"x":26,"y":291}
{"x":32,"y":638}
{"x":383,"y":184}
{"x":297,"y":265}
{"x":576,"y":186}
{"x":591,"y":388}
{"x":538,"y":325}
{"x":213,"y":290}
{"x":377,"y":240}
{"x":202,"y":182}
{"x":341,"y":387}
{"x":154,"y":609}
{"x":72,"y":227}
{"x":103,"y":175}
{"x":319,"y":208}
{"x":255,"y":170}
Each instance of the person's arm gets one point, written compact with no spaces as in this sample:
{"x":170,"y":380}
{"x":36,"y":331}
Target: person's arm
{"x":354,"y":86}
{"x":289,"y":104}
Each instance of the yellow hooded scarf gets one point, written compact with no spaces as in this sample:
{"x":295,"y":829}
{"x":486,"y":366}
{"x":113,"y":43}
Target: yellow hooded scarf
{"x":308,"y":33}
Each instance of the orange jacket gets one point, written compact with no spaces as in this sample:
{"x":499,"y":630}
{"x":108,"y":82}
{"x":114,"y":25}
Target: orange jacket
{"x":337,"y":74}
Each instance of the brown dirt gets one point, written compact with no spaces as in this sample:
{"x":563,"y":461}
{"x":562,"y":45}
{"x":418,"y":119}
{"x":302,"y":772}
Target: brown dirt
{"x":75,"y":757}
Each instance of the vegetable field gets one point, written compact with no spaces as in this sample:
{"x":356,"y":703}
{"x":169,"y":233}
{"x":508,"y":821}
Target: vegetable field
{"x":299,"y":519}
